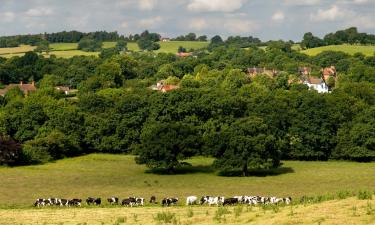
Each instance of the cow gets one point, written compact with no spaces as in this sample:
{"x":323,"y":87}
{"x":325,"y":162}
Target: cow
{"x":140,"y":201}
{"x":230,"y":201}
{"x":129,"y":201}
{"x":113,"y":200}
{"x":93,"y":201}
{"x":39,"y":202}
{"x":287,"y":200}
{"x":75,"y":202}
{"x":64,"y":202}
{"x":169,"y":201}
{"x":191,"y":200}
{"x":241,"y":199}
{"x":153,"y":200}
{"x":54,"y":201}
{"x":212,"y":200}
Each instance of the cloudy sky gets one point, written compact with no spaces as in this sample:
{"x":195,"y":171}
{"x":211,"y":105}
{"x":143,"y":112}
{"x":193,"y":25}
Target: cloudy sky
{"x":266,"y":19}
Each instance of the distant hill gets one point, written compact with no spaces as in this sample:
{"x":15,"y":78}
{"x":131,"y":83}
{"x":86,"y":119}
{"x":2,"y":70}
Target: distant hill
{"x":368,"y":50}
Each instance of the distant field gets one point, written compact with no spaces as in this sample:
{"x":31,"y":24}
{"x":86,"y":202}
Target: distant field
{"x":337,"y":212}
{"x":67,"y":50}
{"x":350,"y":49}
{"x":107,"y":175}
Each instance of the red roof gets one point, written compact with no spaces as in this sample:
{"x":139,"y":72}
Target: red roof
{"x":25,"y":88}
{"x":167,"y":88}
{"x":184,"y":54}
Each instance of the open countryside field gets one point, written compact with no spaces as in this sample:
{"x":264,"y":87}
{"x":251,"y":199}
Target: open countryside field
{"x":338,"y":212}
{"x":350,"y":49}
{"x":67,"y":50}
{"x":107,"y":175}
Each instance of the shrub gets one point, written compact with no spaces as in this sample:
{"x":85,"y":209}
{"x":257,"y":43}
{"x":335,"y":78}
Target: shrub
{"x":364,"y":195}
{"x":165,"y":217}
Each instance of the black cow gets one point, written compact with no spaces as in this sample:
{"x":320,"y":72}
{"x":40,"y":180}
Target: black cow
{"x":131,"y":201}
{"x":64,"y":202}
{"x":39,"y":202}
{"x":230,"y":201}
{"x":93,"y":201}
{"x":153,"y":200}
{"x":75,"y":202}
{"x":113,"y":200}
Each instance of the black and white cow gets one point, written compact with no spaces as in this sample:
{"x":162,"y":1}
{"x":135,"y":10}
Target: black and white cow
{"x":191,"y":200}
{"x":113,"y":200}
{"x":75,"y":202}
{"x":169,"y":201}
{"x":93,"y":201}
{"x":131,"y":201}
{"x":210,"y":200}
{"x":153,"y":200}
{"x":230,"y":201}
{"x":140,"y":201}
{"x":64,"y":202}
{"x":39,"y":202}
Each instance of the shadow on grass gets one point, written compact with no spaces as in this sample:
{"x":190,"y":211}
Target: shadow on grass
{"x":257,"y":172}
{"x":183,"y":169}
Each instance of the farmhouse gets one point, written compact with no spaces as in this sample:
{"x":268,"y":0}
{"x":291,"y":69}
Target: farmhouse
{"x":317,"y":84}
{"x":328,"y":73}
{"x":254,"y":71}
{"x":25,"y":88}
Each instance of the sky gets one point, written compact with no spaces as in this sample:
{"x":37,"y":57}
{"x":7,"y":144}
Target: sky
{"x":266,"y":19}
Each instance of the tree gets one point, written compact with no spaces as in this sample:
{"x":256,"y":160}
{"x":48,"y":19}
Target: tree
{"x":202,"y":38}
{"x":181,"y":49}
{"x":163,"y":145}
{"x":121,"y":46}
{"x":146,"y":44}
{"x":249,"y":146}
{"x":10,"y":151}
{"x":43,"y":46}
{"x":310,"y":41}
{"x":89,"y":45}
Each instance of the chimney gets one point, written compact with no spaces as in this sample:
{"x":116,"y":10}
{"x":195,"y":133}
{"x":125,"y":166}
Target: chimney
{"x":21,"y":82}
{"x":33,"y":83}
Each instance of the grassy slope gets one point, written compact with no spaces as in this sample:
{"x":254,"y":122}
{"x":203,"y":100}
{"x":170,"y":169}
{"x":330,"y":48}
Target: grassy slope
{"x":66,"y":50}
{"x":350,"y":49}
{"x":348,"y":211}
{"x":107,"y":175}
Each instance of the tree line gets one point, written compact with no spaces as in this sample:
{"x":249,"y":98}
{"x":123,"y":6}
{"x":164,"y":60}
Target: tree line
{"x":219,"y":111}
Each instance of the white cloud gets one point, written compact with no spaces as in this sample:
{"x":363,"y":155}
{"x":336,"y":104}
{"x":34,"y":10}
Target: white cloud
{"x":198,"y":24}
{"x":333,"y":13}
{"x":302,"y":2}
{"x":150,"y":22}
{"x":278,"y":16}
{"x":124,"y":24}
{"x":7,"y":17}
{"x":147,"y":4}
{"x":40,"y":11}
{"x":239,"y":26}
{"x":361,"y":21}
{"x":215,"y":5}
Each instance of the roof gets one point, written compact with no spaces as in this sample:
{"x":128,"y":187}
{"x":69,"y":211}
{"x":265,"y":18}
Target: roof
{"x":184,"y":54}
{"x":329,"y":71}
{"x":25,"y":88}
{"x":314,"y":80}
{"x":62,"y":88}
{"x":166,"y":88}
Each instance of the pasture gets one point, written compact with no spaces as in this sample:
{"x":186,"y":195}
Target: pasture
{"x":101,"y":175}
{"x":68,"y":50}
{"x":349,"y":49}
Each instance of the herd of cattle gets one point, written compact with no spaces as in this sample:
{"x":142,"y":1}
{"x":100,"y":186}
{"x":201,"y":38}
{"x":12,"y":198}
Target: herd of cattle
{"x":191,"y":200}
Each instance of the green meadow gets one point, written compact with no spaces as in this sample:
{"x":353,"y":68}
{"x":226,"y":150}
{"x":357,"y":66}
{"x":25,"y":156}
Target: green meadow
{"x":349,"y":49}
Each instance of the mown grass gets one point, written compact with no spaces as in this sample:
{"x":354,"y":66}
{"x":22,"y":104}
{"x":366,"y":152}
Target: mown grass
{"x":117,"y":175}
{"x":349,"y":49}
{"x":348,"y":211}
{"x":68,"y":50}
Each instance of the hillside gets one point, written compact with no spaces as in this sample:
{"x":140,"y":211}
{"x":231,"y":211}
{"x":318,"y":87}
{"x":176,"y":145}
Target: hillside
{"x":108,"y":175}
{"x":350,"y":49}
{"x":67,"y":50}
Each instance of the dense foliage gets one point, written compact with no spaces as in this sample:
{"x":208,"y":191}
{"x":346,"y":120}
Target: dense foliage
{"x":245,"y":123}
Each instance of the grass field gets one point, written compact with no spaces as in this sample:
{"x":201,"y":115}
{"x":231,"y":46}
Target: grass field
{"x":338,"y":212}
{"x":67,"y":50}
{"x":350,"y":49}
{"x":108,"y":175}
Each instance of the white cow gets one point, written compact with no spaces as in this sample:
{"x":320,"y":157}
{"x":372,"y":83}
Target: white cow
{"x":191,"y":200}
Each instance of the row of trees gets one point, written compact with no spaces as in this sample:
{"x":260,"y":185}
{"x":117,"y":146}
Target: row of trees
{"x":347,"y":36}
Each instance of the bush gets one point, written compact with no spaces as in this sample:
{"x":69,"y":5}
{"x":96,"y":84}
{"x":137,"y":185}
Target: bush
{"x":9,"y":151}
{"x":364,"y":195}
{"x":165,"y":217}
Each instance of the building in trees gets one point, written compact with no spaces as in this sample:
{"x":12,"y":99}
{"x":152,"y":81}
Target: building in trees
{"x":254,"y":71}
{"x":25,"y":88}
{"x":317,"y":84}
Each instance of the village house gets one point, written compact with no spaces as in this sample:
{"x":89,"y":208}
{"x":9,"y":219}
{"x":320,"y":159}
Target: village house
{"x":25,"y":88}
{"x":165,"y":39}
{"x":161,"y":86}
{"x":317,"y":84}
{"x":184,"y":54}
{"x":254,"y":71}
{"x":304,"y":71}
{"x":328,"y":73}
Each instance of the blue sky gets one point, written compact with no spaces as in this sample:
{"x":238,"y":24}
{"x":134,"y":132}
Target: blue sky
{"x":266,"y":19}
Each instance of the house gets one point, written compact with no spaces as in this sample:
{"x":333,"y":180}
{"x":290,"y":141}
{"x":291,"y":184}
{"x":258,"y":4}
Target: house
{"x":304,"y":71}
{"x":317,"y":84}
{"x":161,"y":86}
{"x":184,"y":54}
{"x":254,"y":71}
{"x":328,"y":73}
{"x":64,"y":89}
{"x":25,"y":88}
{"x":165,"y":39}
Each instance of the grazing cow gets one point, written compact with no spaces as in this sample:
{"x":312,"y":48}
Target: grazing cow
{"x":140,"y":201}
{"x":287,"y":200}
{"x":153,"y":200}
{"x":93,"y":201}
{"x":230,"y":201}
{"x":113,"y":200}
{"x":212,"y":200}
{"x":241,"y":199}
{"x":39,"y":202}
{"x":169,"y":201}
{"x":191,"y":200}
{"x":75,"y":202}
{"x":54,"y":201}
{"x":64,"y":202}
{"x":129,"y":201}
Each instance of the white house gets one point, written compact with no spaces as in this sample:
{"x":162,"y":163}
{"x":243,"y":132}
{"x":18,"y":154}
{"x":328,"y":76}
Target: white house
{"x":317,"y":84}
